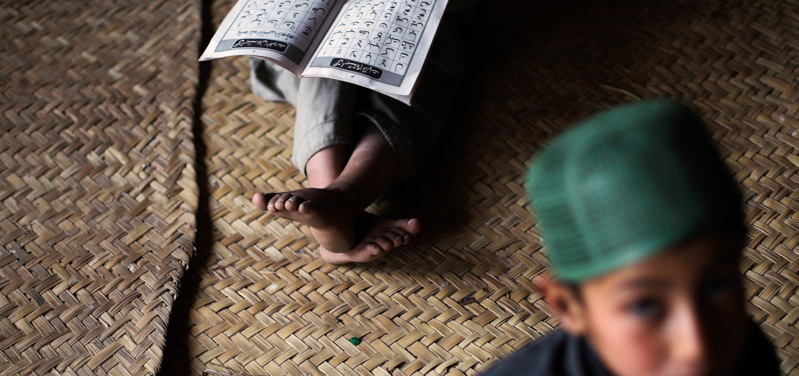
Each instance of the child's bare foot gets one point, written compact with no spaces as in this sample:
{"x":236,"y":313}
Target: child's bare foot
{"x":380,"y":235}
{"x":332,"y":219}
{"x":329,"y":213}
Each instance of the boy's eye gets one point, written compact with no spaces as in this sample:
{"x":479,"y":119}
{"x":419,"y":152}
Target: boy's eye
{"x":646,"y":308}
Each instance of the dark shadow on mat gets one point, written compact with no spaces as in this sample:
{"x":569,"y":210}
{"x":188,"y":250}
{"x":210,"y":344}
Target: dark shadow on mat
{"x":534,"y":68}
{"x":176,"y":358}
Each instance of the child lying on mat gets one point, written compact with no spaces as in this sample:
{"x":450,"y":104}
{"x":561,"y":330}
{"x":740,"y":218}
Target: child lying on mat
{"x":353,"y":144}
{"x":644,"y":228}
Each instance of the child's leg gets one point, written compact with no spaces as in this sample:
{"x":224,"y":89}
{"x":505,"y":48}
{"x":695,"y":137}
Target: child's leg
{"x":342,"y":186}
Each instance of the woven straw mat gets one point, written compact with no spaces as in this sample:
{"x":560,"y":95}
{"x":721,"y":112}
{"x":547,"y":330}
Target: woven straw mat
{"x":460,"y":297}
{"x":96,"y":182}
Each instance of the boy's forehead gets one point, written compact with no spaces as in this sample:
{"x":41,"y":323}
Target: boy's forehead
{"x":693,"y":260}
{"x":626,"y":184}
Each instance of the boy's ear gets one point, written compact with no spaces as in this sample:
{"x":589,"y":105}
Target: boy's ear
{"x":566,"y":304}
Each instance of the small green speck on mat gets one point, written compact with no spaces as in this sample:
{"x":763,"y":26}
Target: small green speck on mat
{"x":355,"y":341}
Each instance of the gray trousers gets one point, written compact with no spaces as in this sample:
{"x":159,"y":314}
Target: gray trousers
{"x":330,"y":112}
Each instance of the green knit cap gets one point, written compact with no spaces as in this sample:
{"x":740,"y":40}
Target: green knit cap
{"x":627,"y":183}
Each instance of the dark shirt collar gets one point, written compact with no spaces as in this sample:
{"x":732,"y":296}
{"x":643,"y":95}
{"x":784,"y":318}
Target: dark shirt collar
{"x":581,"y":360}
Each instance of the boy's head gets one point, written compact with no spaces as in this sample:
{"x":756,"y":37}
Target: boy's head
{"x":644,"y":228}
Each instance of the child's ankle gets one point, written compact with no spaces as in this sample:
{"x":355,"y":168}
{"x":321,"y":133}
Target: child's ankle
{"x":350,"y":195}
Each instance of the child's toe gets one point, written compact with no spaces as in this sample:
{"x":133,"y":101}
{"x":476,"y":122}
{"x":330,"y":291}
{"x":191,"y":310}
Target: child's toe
{"x":305,"y":207}
{"x":279,"y":201}
{"x":261,"y":200}
{"x":293,"y":203}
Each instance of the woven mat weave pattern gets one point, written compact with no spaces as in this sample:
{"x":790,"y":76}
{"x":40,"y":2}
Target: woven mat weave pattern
{"x":97,"y":197}
{"x":460,"y":297}
{"x":96,"y":182}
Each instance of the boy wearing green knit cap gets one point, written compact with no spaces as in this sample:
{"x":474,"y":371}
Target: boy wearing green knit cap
{"x":644,"y":228}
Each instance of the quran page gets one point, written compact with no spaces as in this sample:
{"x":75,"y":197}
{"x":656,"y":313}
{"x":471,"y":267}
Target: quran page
{"x":379,"y":44}
{"x":283,"y":31}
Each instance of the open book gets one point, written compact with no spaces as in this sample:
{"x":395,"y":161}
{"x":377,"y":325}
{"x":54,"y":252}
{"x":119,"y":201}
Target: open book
{"x":378,"y":44}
